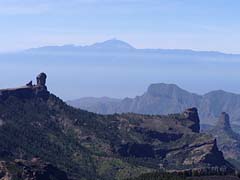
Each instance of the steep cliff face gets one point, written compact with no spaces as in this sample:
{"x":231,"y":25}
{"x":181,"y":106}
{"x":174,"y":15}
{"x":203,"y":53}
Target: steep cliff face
{"x":160,"y":99}
{"x":91,"y":146}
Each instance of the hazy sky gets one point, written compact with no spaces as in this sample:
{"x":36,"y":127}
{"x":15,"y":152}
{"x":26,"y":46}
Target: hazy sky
{"x":185,"y":24}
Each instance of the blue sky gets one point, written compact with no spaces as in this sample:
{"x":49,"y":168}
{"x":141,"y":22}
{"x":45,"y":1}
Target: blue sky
{"x":174,"y":24}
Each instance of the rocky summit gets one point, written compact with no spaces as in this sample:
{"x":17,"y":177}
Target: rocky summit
{"x":84,"y":145}
{"x":29,"y":90}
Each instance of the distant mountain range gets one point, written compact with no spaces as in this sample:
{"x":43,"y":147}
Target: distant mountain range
{"x":115,"y":45}
{"x":166,"y":99}
{"x":109,"y":45}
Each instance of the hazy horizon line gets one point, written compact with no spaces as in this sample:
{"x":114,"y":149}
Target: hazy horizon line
{"x":83,"y":45}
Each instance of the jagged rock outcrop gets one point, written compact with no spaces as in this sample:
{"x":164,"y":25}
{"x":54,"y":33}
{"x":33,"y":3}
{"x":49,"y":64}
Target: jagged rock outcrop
{"x":192,"y":115}
{"x":223,"y":127}
{"x":210,"y":154}
{"x":28,"y":91}
{"x":224,"y":122}
{"x":30,"y":170}
{"x":227,"y":139}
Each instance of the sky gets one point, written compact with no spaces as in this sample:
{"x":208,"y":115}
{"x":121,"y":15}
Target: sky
{"x":172,"y":24}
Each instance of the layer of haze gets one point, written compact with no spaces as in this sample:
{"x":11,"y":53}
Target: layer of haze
{"x":120,"y":74}
{"x":168,"y":24}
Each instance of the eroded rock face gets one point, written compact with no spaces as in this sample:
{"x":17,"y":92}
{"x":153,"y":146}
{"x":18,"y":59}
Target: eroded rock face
{"x":205,"y":152}
{"x":192,"y":115}
{"x":173,"y":140}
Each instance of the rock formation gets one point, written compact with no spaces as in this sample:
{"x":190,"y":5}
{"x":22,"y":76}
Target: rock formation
{"x":41,"y":79}
{"x":223,"y":127}
{"x":181,"y":131}
{"x":29,"y":90}
{"x":227,"y":139}
{"x":192,"y":115}
{"x":224,"y":122}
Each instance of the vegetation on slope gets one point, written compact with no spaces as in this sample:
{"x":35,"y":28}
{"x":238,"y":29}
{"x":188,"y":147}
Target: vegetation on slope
{"x":90,"y":146}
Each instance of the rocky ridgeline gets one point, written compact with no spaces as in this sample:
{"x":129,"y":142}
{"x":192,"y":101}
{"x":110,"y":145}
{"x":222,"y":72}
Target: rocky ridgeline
{"x":167,"y":99}
{"x":29,"y":90}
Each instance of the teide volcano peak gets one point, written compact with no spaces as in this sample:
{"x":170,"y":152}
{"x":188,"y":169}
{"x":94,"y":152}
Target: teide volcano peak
{"x":35,"y":123}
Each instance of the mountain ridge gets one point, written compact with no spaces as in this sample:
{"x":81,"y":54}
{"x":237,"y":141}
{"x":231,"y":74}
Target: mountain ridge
{"x":115,"y":44}
{"x":108,"y":45}
{"x":161,"y":98}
